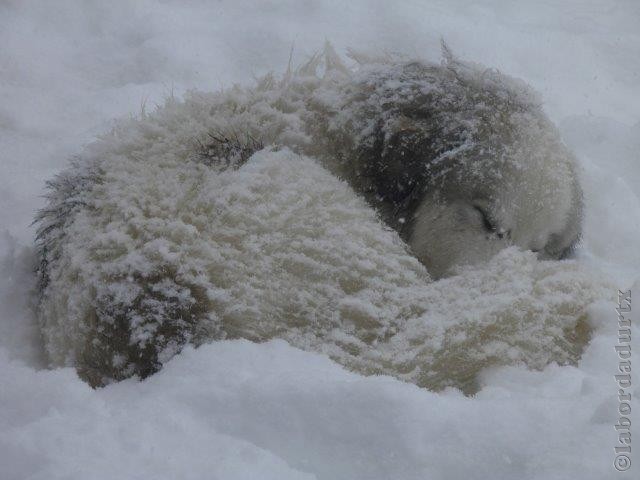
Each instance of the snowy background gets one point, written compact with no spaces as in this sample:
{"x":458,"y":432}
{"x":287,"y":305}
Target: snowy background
{"x":237,"y":410}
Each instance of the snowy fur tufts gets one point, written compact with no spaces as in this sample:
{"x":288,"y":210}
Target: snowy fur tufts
{"x":225,"y":216}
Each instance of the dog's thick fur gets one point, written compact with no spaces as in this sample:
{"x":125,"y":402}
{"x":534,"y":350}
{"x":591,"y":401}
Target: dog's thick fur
{"x":223,"y":217}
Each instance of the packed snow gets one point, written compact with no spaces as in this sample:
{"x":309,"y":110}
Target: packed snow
{"x":235,"y":409}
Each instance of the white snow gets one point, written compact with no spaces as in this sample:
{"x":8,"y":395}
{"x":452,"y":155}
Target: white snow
{"x":240,"y":410}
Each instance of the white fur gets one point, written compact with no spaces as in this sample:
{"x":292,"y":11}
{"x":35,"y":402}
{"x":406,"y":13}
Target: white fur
{"x":276,"y":248}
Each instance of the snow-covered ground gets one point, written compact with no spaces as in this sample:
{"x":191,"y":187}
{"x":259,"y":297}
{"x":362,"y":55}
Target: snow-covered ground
{"x":239,"y":410}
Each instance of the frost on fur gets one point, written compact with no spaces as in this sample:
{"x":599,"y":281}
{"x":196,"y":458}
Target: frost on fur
{"x":224,"y":216}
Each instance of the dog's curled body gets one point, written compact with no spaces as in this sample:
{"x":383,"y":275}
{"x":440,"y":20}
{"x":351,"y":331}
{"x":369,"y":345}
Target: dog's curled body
{"x":224,"y":216}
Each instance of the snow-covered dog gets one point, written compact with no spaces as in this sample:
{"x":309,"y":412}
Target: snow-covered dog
{"x":262,"y":213}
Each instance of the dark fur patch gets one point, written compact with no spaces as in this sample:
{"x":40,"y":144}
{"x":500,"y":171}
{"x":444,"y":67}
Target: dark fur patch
{"x":227,"y":150}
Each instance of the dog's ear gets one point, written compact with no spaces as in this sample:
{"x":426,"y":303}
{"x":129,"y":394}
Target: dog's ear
{"x":400,"y":161}
{"x":402,"y":157}
{"x":392,"y":169}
